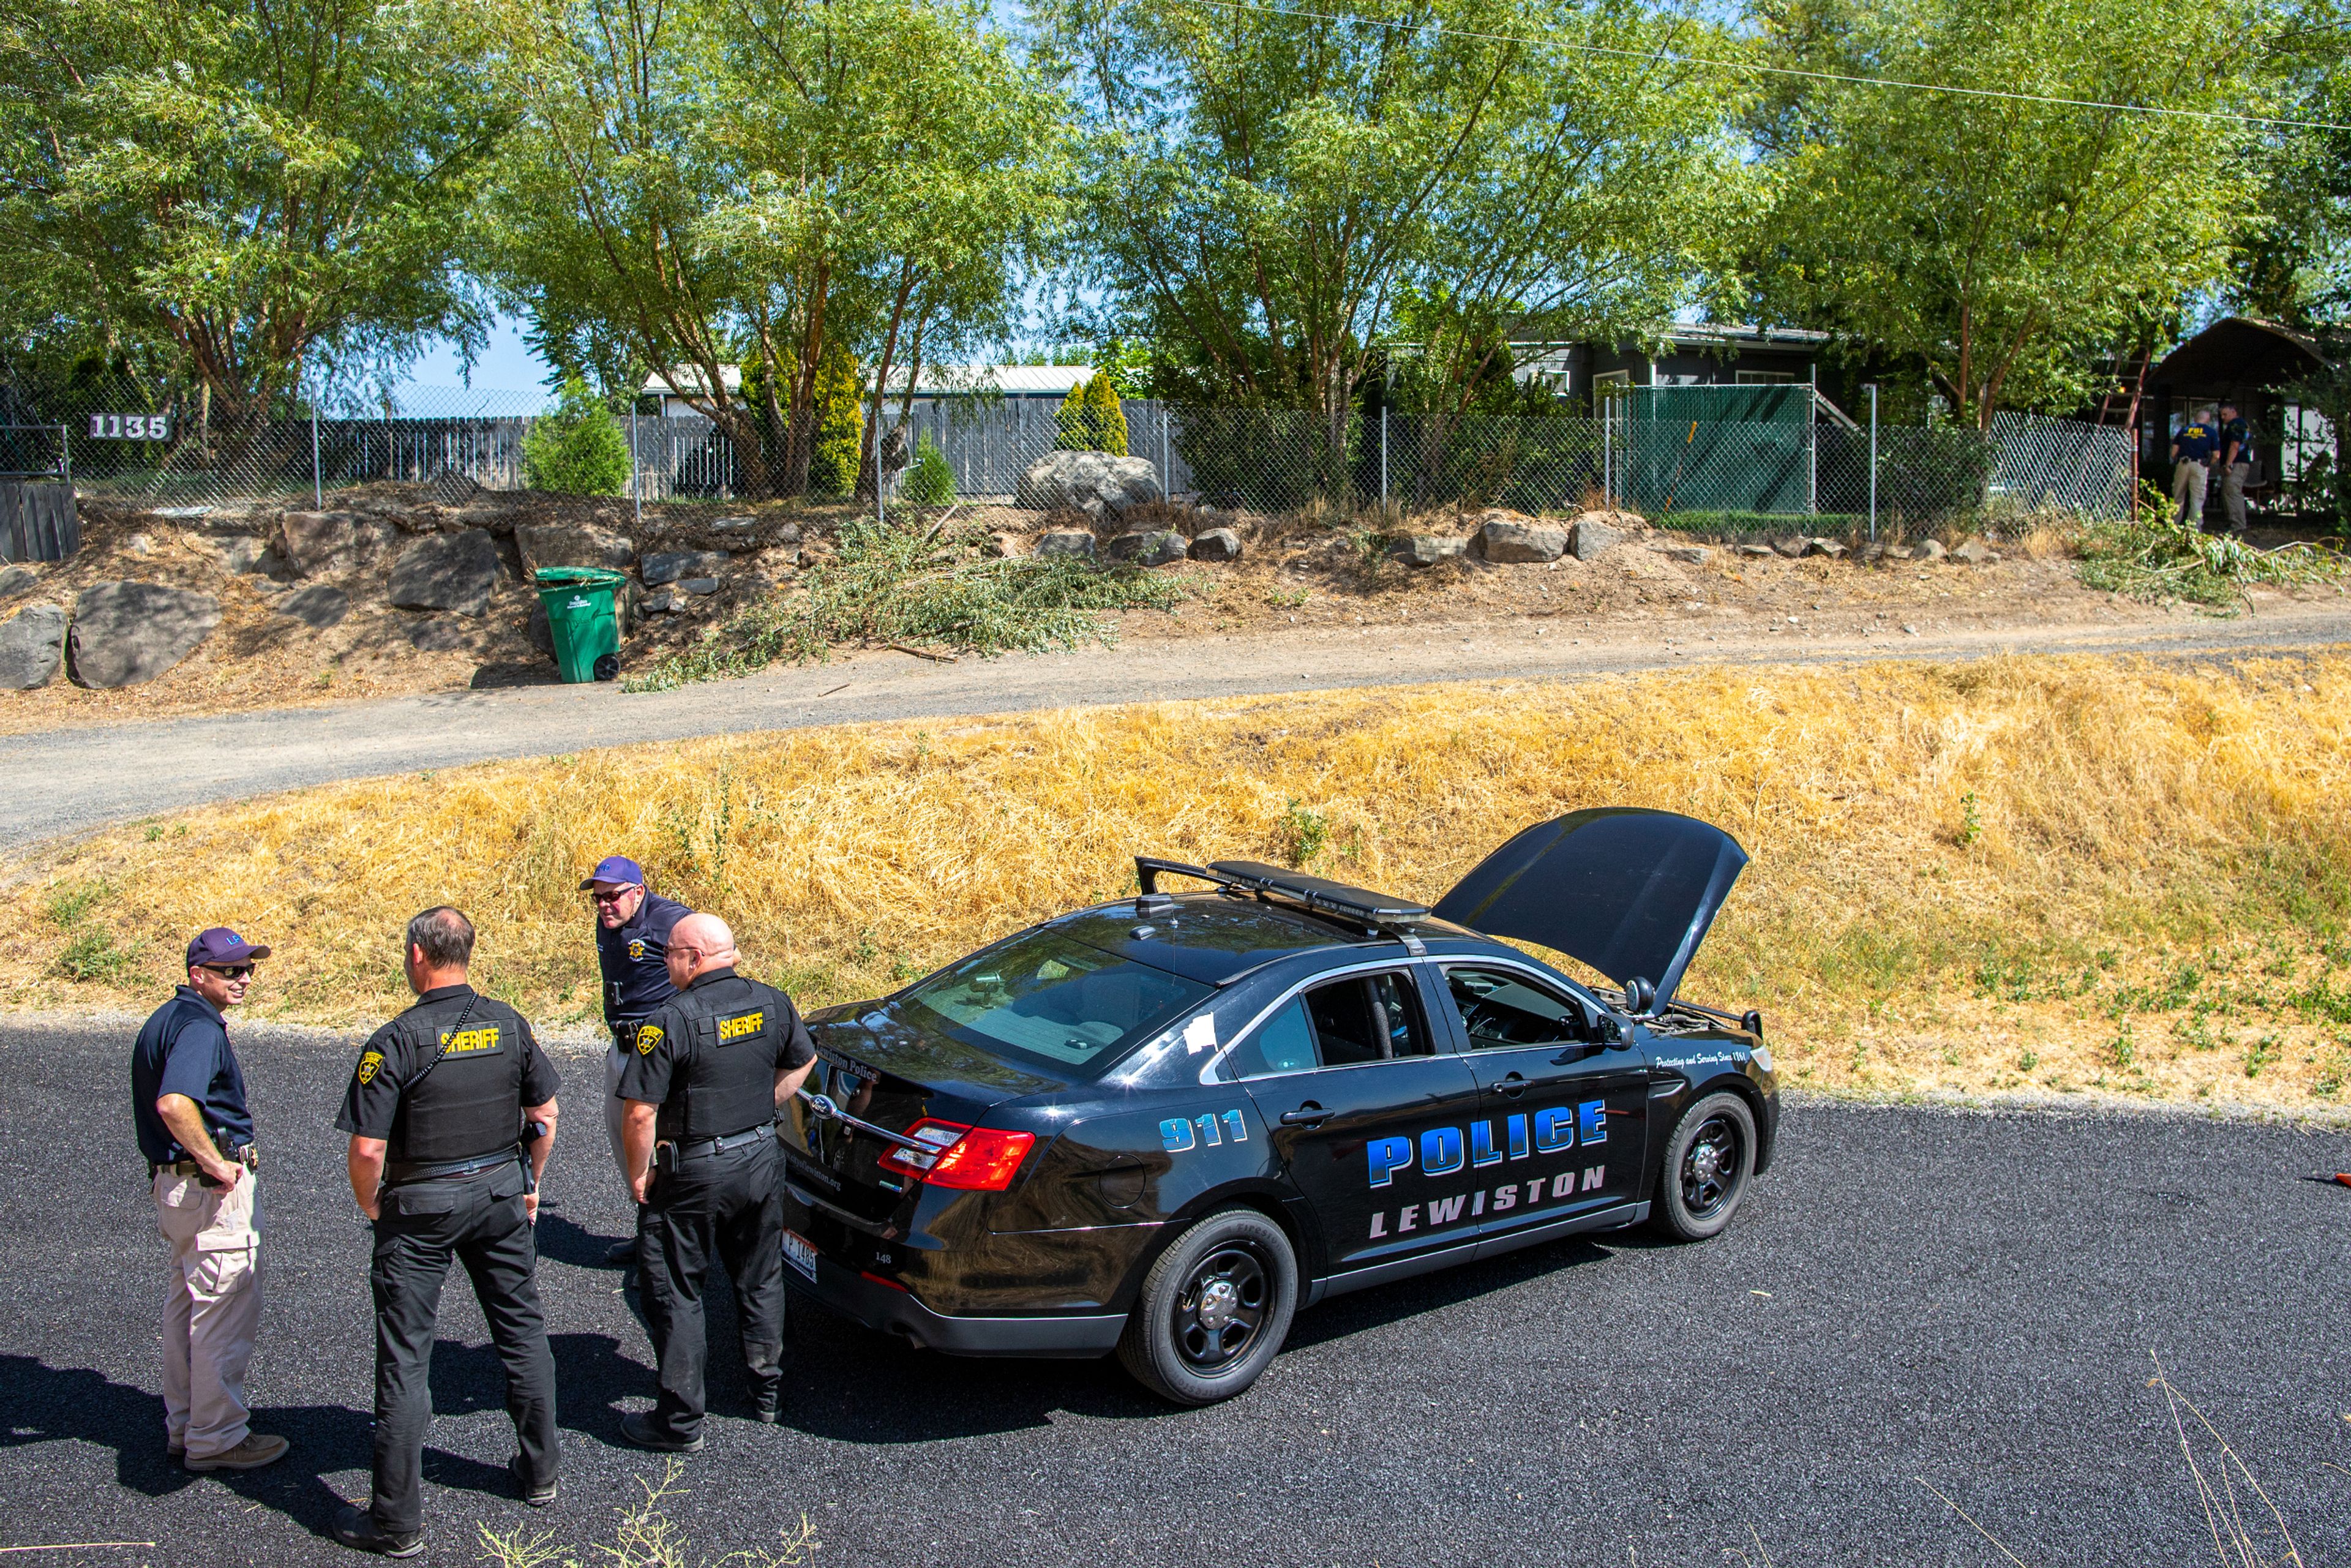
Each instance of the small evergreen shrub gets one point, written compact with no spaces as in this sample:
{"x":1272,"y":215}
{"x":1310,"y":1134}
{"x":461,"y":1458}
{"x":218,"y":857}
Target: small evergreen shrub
{"x":578,"y":450}
{"x":1091,"y":418}
{"x":930,"y":482}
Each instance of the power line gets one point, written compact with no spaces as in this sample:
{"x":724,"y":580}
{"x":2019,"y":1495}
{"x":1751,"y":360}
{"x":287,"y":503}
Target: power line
{"x":1669,"y":56}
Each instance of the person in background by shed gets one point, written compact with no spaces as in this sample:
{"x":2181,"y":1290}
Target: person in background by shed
{"x":2236,"y":458}
{"x":187,"y":1098}
{"x":633,"y":928}
{"x":2191,"y":467}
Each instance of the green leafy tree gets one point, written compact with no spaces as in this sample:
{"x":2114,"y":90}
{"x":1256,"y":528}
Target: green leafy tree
{"x":1265,"y":187}
{"x":2293,"y":261}
{"x":240,"y":191}
{"x":578,"y":450}
{"x":2003,"y":246}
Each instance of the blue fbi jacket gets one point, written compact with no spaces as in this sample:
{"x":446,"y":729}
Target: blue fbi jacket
{"x":2195,"y":442}
{"x":184,"y":1050}
{"x":632,"y":957}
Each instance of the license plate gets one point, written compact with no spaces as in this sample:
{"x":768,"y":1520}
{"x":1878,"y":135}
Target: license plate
{"x":801,"y":1253}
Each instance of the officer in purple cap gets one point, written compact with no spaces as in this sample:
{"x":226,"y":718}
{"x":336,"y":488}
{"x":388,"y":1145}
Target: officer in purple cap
{"x":632,"y":926}
{"x":187,"y":1098}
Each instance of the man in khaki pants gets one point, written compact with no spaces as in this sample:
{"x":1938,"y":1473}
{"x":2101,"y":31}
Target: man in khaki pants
{"x":187,"y":1096}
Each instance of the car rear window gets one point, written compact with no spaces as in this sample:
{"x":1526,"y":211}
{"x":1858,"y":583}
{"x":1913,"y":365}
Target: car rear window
{"x":1047,"y":998}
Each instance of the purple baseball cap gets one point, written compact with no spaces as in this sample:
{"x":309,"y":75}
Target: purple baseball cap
{"x":616,"y":869}
{"x":219,"y":944}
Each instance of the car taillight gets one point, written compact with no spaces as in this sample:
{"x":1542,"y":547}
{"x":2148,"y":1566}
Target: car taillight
{"x":982,"y":1159}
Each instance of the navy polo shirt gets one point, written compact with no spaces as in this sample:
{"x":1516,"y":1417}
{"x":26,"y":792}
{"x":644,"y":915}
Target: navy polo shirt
{"x":2235,"y":431}
{"x":633,"y":956}
{"x":184,"y":1050}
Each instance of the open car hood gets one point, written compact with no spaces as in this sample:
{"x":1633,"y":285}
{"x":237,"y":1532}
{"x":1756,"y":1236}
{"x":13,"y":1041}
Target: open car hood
{"x":1628,"y":890}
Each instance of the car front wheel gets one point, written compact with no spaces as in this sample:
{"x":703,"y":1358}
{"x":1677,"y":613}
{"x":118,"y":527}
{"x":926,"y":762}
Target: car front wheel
{"x":1706,"y":1168}
{"x":1214,"y":1308}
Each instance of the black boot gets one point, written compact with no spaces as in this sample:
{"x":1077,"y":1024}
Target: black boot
{"x":357,"y":1527}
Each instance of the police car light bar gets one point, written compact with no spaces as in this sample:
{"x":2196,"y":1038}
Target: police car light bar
{"x":1378,"y":910}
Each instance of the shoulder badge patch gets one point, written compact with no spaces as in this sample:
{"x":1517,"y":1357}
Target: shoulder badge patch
{"x":649,"y":1035}
{"x":637,"y":949}
{"x":370,"y":1062}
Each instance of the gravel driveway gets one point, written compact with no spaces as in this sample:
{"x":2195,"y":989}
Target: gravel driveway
{"x":62,"y":781}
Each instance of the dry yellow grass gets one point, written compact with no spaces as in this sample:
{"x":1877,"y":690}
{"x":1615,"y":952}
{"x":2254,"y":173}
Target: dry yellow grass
{"x":2021,"y":873}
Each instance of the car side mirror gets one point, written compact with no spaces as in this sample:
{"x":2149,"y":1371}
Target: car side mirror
{"x":1612,"y":1031}
{"x":1640,"y":997}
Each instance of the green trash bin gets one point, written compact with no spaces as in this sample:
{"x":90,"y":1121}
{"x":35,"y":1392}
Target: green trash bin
{"x":584,"y":615}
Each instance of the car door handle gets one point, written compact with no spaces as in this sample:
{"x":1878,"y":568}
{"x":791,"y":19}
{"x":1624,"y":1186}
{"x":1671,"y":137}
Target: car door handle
{"x":1512,"y":1086}
{"x":1307,"y":1115}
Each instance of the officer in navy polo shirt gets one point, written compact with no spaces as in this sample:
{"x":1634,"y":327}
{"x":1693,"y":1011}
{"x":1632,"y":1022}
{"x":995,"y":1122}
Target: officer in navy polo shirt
{"x":632,"y":926}
{"x":187,"y":1098}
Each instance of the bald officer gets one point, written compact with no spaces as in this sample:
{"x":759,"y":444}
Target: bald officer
{"x":450,"y":1112}
{"x":705,"y":1075}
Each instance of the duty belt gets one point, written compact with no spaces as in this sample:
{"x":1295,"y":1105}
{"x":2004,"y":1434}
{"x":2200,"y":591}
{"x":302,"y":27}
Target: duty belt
{"x":703,"y":1146}
{"x":244,"y":1154}
{"x":402,"y":1173}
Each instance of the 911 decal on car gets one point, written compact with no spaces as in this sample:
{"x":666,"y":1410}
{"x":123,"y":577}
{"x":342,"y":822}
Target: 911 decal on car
{"x":1162,"y":1126}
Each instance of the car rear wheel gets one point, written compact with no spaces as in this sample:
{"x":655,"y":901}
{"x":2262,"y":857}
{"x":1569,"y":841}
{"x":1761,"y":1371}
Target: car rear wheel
{"x":1707,"y":1165}
{"x":1214,"y":1310}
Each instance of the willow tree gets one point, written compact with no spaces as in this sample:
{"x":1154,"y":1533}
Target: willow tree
{"x":1266,"y":189}
{"x":2007,"y":233}
{"x":239,"y":189}
{"x":760,"y":183}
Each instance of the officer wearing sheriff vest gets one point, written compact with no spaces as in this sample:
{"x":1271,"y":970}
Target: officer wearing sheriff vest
{"x":452,"y":1114}
{"x":633,"y":928}
{"x":707,"y":1073}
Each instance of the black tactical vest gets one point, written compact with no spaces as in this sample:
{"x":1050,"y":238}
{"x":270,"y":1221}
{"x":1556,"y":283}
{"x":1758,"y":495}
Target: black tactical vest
{"x":469,"y":1103}
{"x":731,"y":1041}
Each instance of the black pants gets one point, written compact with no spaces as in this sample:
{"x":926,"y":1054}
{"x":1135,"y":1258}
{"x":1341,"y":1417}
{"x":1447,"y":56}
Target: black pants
{"x":728,"y":1203}
{"x":480,"y":1221}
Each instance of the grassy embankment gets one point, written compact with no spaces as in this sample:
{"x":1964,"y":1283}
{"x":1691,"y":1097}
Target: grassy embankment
{"x":2017,"y":875}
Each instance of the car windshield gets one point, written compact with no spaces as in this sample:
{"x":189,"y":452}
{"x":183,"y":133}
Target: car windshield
{"x":1047,"y":998}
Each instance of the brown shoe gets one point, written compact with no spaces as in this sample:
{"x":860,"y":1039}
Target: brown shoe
{"x":258,"y":1448}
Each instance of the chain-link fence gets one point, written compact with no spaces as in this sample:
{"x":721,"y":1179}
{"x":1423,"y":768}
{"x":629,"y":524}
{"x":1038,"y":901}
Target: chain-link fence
{"x":1751,"y":461}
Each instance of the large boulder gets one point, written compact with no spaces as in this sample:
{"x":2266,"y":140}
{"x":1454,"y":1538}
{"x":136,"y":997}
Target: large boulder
{"x":572,"y":545}
{"x":16,"y":579}
{"x":668,"y":566}
{"x":319,"y":606}
{"x":1089,"y":482}
{"x":1427,"y":549}
{"x":322,"y":543}
{"x":1521,"y":543}
{"x":1068,"y":542}
{"x":125,"y":633}
{"x":1149,"y":547}
{"x":32,"y":644}
{"x":1591,"y":538}
{"x":1216,"y":543}
{"x":447,"y":572}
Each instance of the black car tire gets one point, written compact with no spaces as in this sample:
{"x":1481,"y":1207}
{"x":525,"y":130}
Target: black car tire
{"x":1709,"y":1162}
{"x":1214,"y":1308}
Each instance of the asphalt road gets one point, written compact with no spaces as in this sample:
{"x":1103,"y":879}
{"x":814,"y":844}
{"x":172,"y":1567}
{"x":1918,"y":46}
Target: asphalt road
{"x":1967,"y":1299}
{"x":63,"y":781}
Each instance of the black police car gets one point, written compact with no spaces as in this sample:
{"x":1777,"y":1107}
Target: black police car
{"x":1161,"y":1125}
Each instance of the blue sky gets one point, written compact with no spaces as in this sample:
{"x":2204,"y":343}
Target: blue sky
{"x":506,"y":365}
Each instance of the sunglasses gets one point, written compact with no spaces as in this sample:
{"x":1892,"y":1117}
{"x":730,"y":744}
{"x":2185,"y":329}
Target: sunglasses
{"x":232,"y":971}
{"x":594,"y":897}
